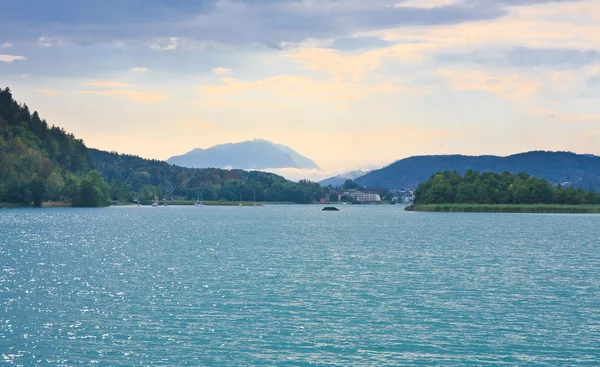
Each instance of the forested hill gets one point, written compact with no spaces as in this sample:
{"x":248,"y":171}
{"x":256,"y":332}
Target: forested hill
{"x":493,"y":188}
{"x":131,"y":175}
{"x":39,"y":163}
{"x":566,"y":168}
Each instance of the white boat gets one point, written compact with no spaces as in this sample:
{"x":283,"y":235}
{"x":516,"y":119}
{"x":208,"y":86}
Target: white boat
{"x":201,"y":202}
{"x":155,"y":203}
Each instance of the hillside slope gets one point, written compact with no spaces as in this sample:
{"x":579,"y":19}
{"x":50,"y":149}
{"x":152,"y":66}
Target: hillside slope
{"x":557,"y":167}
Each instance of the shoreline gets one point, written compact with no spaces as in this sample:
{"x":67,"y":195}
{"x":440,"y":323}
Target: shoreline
{"x":505,"y":208}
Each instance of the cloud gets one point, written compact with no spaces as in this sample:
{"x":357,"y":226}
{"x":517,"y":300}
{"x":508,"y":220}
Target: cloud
{"x":266,"y":22}
{"x":51,"y":41}
{"x":525,"y":57}
{"x":7,"y":45}
{"x":100,"y":84}
{"x":505,"y":85}
{"x":11,"y":58}
{"x":584,"y":118}
{"x":294,"y":87}
{"x":221,"y":102}
{"x":355,"y":66}
{"x":221,"y":71}
{"x":427,"y":4}
{"x":552,"y":25}
{"x":297,"y":174}
{"x":138,"y":69}
{"x":170,"y":44}
{"x":48,"y":92}
{"x":197,"y":124}
{"x":141,"y":97}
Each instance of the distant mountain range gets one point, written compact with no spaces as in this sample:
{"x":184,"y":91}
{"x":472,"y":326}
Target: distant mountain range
{"x":580,"y":170}
{"x":256,"y":154}
{"x":342,"y":177}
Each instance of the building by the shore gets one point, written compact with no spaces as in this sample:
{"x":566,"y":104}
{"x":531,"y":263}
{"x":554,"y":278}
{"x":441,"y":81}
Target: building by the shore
{"x":360,"y":197}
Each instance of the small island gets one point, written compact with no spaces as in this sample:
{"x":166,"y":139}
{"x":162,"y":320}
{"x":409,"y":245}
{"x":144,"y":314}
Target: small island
{"x":500,"y":193}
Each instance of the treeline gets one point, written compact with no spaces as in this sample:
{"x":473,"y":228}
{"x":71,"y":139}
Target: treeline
{"x":493,"y":188}
{"x":131,"y":177}
{"x":41,"y":163}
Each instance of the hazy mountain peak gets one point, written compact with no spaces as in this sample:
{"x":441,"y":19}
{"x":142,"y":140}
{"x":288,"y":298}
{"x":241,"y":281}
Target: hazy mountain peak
{"x":250,"y":154}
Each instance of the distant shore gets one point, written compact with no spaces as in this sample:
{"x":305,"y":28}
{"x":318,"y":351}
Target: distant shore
{"x":506,"y":208}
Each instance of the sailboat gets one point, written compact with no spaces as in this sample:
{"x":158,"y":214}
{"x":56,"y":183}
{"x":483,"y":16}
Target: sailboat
{"x":155,"y":203}
{"x":199,"y":203}
{"x":254,"y":199}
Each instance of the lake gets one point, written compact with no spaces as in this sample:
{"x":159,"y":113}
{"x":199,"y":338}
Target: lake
{"x":295,"y":286}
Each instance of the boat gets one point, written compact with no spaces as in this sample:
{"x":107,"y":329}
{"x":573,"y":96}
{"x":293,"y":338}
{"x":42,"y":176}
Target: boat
{"x":201,"y":202}
{"x":155,"y":203}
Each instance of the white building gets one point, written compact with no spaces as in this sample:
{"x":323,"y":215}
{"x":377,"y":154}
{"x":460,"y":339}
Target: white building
{"x":365,"y":197}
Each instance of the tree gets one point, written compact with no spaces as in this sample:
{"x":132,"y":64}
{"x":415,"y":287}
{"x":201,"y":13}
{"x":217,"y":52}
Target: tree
{"x":93,"y":191}
{"x":38,"y":190}
{"x":350,"y":185}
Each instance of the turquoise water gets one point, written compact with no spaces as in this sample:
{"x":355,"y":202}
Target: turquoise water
{"x":294,"y":286}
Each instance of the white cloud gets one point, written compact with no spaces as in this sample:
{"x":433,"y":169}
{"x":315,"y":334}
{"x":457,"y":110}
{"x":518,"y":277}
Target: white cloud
{"x":221,"y":71}
{"x":11,"y":58}
{"x":48,"y":92}
{"x":96,"y":83}
{"x":296,"y":174}
{"x":7,"y":45}
{"x":51,"y":41}
{"x":138,"y":69}
{"x":171,"y":44}
{"x":141,"y":97}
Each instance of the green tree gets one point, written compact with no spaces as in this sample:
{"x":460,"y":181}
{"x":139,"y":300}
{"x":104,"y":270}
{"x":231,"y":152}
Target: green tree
{"x":38,"y":190}
{"x":93,"y":191}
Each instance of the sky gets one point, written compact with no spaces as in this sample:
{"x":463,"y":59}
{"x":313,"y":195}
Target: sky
{"x":349,"y":83}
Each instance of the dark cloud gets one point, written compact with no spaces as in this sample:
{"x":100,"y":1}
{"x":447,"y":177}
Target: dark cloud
{"x":267,"y":22}
{"x":526,"y":57}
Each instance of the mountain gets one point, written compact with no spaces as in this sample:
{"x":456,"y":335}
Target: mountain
{"x":556,"y":167}
{"x":342,"y":177}
{"x":39,"y":163}
{"x":256,"y":154}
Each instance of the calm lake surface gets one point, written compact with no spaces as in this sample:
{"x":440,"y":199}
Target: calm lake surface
{"x":295,"y":286}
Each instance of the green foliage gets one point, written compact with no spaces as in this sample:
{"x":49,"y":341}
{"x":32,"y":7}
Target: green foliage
{"x":39,"y":163}
{"x":350,"y":185}
{"x":35,"y":160}
{"x":506,"y":208}
{"x":492,"y":188}
{"x":144,"y":177}
{"x":92,"y":192}
{"x":38,"y":190}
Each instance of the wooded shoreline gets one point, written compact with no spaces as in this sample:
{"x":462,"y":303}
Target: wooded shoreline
{"x":506,"y":208}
